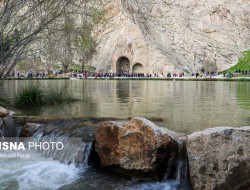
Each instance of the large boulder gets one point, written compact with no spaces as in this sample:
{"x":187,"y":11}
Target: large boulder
{"x":219,"y":158}
{"x":137,"y":147}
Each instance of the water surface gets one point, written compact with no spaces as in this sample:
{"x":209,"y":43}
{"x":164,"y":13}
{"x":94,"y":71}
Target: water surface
{"x":185,"y":106}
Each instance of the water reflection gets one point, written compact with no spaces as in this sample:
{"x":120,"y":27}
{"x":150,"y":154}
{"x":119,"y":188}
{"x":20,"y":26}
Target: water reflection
{"x":123,"y":91}
{"x":243,"y":91}
{"x":185,"y":106}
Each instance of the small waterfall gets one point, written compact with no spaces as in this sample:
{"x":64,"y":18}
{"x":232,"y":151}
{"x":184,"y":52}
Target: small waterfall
{"x":86,"y":152}
{"x":74,"y":149}
{"x":182,"y":166}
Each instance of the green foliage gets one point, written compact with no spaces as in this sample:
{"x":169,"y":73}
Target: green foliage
{"x":76,"y":67}
{"x":83,"y":39}
{"x":86,"y":40}
{"x":3,"y":102}
{"x":85,"y":119}
{"x":90,"y":68}
{"x":34,"y":96}
{"x":29,"y":96}
{"x":57,"y":95}
{"x":243,"y":63}
{"x":23,"y":65}
{"x":97,"y":15}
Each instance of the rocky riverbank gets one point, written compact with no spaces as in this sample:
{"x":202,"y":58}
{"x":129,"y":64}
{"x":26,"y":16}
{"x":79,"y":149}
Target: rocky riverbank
{"x":218,"y":158}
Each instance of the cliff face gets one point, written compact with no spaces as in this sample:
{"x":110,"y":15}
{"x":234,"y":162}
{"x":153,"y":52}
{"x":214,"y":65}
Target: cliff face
{"x":161,"y":36}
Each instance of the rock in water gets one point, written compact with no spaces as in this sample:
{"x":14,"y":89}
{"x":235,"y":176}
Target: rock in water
{"x":3,"y":112}
{"x":28,"y":129}
{"x":219,"y":158}
{"x":137,"y":147}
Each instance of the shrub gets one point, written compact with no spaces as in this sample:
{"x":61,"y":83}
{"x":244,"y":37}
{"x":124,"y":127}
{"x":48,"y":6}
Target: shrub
{"x":29,"y":96}
{"x":3,"y":102}
{"x":35,"y":96}
{"x":55,"y":95}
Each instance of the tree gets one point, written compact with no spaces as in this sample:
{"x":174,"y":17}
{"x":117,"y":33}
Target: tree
{"x":24,"y":24}
{"x":21,"y":22}
{"x":70,"y":40}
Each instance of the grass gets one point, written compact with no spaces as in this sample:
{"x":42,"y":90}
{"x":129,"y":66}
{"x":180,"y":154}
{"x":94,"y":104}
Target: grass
{"x":57,"y":95}
{"x":29,"y":96}
{"x":243,"y":63}
{"x":34,"y":96}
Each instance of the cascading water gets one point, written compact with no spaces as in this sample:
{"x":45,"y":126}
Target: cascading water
{"x":182,"y":166}
{"x":181,"y":171}
{"x":74,"y":149}
{"x":42,"y":169}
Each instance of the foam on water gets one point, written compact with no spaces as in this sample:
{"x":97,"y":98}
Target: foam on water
{"x":31,"y":174}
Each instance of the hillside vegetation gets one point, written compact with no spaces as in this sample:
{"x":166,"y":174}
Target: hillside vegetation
{"x":243,"y":63}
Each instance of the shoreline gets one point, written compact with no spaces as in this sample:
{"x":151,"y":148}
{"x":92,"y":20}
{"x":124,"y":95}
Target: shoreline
{"x":217,"y":78}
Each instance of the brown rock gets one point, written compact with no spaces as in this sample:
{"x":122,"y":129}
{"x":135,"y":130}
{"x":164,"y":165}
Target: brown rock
{"x":28,"y":129}
{"x":219,"y":158}
{"x":137,"y":146}
{"x":3,"y":112}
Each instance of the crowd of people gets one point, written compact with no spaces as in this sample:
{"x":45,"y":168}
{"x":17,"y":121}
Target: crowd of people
{"x":88,"y":74}
{"x":141,"y":75}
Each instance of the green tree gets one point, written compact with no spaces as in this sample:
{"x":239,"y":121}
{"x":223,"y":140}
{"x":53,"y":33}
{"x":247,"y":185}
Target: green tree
{"x":29,"y":27}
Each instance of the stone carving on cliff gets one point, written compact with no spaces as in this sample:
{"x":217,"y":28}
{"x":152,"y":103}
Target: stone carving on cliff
{"x":169,"y":36}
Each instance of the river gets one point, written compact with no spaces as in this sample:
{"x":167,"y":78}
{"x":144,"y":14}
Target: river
{"x":184,"y":106}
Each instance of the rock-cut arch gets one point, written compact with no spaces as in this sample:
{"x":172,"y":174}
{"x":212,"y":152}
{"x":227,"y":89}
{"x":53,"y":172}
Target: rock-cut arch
{"x":137,"y":68}
{"x":123,"y":65}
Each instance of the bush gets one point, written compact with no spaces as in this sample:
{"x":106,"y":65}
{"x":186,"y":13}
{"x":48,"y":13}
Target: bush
{"x":35,"y":96}
{"x":29,"y":96}
{"x":55,"y":95}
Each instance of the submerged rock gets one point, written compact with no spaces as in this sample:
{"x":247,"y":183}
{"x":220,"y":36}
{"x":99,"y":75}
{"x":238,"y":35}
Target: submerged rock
{"x":137,"y":147}
{"x":219,"y":158}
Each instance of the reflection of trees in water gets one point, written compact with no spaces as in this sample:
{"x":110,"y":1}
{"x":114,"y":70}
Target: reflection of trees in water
{"x":243,"y":94}
{"x":122,"y":65}
{"x":137,"y":89}
{"x":123,"y":91}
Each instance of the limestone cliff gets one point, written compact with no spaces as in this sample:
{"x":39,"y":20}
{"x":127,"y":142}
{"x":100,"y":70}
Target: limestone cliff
{"x":160,"y":36}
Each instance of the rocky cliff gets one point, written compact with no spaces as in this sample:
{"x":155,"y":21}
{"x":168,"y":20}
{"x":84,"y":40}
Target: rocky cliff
{"x":160,"y":36}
